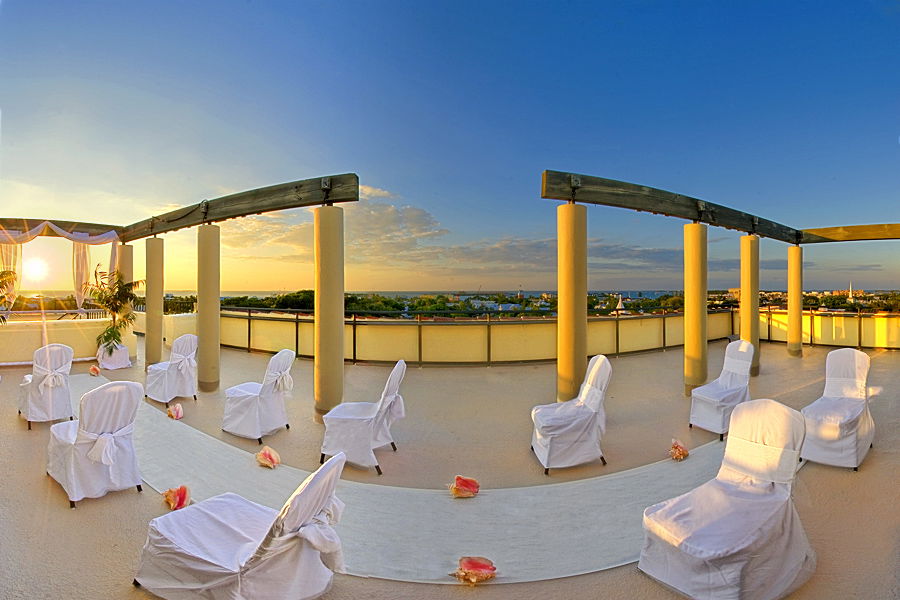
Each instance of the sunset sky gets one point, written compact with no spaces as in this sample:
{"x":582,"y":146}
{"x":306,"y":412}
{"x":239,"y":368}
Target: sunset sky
{"x":449,"y":112}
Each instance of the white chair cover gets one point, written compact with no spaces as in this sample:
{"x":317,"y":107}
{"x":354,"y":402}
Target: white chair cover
{"x":358,"y":428}
{"x":738,"y":535}
{"x":252,"y":409}
{"x":119,"y":359}
{"x":44,"y":395}
{"x":711,"y":404}
{"x":227,"y":547}
{"x":839,"y":426}
{"x":95,"y":454}
{"x":568,"y":433}
{"x":176,"y":377}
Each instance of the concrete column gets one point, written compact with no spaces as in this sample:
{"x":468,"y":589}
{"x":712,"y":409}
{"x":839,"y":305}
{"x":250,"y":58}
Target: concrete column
{"x":208,"y":307}
{"x":125,"y":266}
{"x":328,"y":368}
{"x":750,"y":296}
{"x":126,"y":262}
{"x":571,"y":321}
{"x":795,"y":301}
{"x":153,"y":337}
{"x":695,"y":298}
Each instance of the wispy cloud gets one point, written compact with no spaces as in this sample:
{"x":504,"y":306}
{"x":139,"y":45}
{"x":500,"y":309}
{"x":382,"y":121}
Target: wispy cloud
{"x":367,"y":191}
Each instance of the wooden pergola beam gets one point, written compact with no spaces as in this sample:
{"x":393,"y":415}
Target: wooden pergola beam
{"x":306,"y":192}
{"x":851,"y":233}
{"x":558,"y":185}
{"x":70,"y":226}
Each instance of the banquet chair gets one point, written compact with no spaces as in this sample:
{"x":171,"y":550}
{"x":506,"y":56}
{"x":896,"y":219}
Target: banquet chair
{"x":44,"y":394}
{"x":176,"y":377}
{"x":738,"y":535}
{"x":229,"y":547}
{"x":252,"y":409}
{"x":95,"y":454}
{"x":839,"y":426}
{"x":712,"y":404}
{"x":358,"y":428}
{"x":568,"y":433}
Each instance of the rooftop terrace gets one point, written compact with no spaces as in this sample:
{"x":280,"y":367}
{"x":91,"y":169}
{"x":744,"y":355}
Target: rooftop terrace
{"x":473,"y":421}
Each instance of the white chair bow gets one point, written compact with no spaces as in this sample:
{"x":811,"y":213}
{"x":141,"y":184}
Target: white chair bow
{"x":52,"y":377}
{"x":183,"y":362}
{"x":282,"y":380}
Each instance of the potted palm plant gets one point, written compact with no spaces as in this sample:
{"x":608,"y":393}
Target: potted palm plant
{"x":112,"y":292}
{"x":7,"y":281}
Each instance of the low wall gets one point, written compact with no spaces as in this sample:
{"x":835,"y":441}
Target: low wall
{"x":514,"y":340}
{"x":19,"y":339}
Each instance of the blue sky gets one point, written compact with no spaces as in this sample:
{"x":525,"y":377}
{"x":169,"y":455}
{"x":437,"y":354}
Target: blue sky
{"x":449,"y":111}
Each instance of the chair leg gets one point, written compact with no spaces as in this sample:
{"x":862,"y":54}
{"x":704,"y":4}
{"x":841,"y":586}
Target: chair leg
{"x":195,"y":397}
{"x":19,"y":411}
{"x":135,"y":583}
{"x":322,"y":459}
{"x":139,"y":488}
{"x":71,"y":418}
{"x":287,"y":425}
{"x":547,"y":471}
{"x":721,"y":437}
{"x":872,"y":445}
{"x":394,"y":446}
{"x":856,"y":469}
{"x":603,"y":460}
{"x":532,"y":448}
{"x":29,"y":425}
{"x":259,"y":440}
{"x":167,"y":405}
{"x":378,"y":469}
{"x":71,"y":504}
{"x":690,"y":425}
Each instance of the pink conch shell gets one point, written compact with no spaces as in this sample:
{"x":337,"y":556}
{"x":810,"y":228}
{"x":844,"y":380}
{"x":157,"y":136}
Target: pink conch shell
{"x":464,"y":487}
{"x":474,"y":569}
{"x":678,"y":451}
{"x":177,"y":497}
{"x":267,"y":457}
{"x":94,"y":370}
{"x":175,"y":411}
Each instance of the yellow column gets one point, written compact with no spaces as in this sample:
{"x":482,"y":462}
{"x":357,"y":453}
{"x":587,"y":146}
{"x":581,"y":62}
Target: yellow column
{"x":153,"y":337}
{"x":571,"y":321}
{"x":695,"y":298}
{"x":125,"y":266}
{"x":328,"y":368}
{"x":750,"y":296}
{"x":208,"y":307}
{"x":795,"y":301}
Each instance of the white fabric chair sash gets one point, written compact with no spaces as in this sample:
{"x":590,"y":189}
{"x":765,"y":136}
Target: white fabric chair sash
{"x":51,"y":377}
{"x":103,"y":449}
{"x":183,"y":362}
{"x":735,"y":365}
{"x":282,"y":379}
{"x":396,"y":409}
{"x":844,"y":387}
{"x":759,"y":461}
{"x":318,"y":532}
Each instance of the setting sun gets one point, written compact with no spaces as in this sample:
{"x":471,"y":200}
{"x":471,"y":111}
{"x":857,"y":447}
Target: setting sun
{"x":35,"y":269}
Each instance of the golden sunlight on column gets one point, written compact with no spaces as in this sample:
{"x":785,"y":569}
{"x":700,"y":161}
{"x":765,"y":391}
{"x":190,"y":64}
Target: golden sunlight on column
{"x":571,"y":322}
{"x":795,"y":301}
{"x":153,"y":337}
{"x":208,"y":267}
{"x":750,"y":296}
{"x":328,"y":336}
{"x":695,"y":293}
{"x":125,"y":266}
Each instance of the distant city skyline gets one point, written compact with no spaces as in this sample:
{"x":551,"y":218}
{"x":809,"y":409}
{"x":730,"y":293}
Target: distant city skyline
{"x":114,"y":112}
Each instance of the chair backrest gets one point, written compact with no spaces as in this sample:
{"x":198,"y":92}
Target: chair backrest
{"x":764,"y":439}
{"x":52,"y":357}
{"x":596,"y":380}
{"x":278,"y":373}
{"x":312,"y":498}
{"x":736,"y":366}
{"x":184,"y":345}
{"x":391,"y":388}
{"x":846,"y":371}
{"x":110,"y":407}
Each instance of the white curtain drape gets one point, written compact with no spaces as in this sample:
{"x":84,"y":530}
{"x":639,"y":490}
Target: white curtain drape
{"x":10,"y":259}
{"x":11,"y":251}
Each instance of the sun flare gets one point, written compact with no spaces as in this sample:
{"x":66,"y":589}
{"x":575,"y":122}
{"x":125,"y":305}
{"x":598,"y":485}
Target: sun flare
{"x":35,"y":269}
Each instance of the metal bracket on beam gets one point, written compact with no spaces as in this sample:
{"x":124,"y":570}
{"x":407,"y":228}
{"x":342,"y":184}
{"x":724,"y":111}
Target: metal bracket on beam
{"x":754,"y":226}
{"x":574,"y":183}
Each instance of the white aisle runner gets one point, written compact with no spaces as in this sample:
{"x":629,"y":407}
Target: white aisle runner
{"x":534,"y":533}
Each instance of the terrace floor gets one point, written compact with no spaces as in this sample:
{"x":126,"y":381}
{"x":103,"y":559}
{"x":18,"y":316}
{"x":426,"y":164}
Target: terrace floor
{"x":473,"y":421}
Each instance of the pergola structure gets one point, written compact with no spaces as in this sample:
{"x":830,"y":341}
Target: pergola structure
{"x":319,"y":192}
{"x":572,"y":267}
